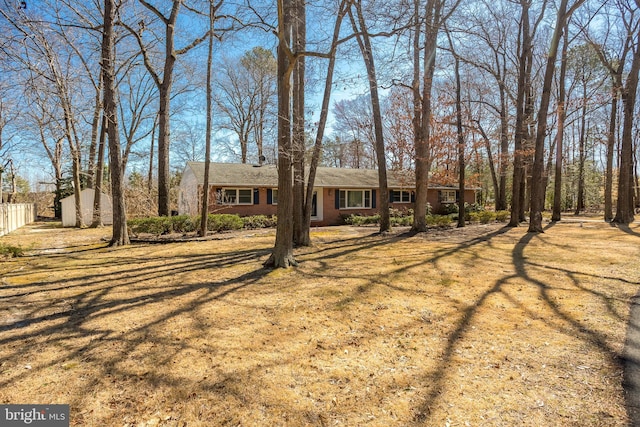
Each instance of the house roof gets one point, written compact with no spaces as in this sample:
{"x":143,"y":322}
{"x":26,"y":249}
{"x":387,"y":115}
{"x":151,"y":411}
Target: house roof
{"x":247,"y":175}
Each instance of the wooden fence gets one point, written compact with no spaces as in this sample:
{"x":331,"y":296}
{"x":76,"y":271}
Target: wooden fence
{"x":15,"y":215}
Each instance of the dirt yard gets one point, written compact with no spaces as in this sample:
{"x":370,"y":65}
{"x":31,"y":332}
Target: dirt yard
{"x":484,"y":326}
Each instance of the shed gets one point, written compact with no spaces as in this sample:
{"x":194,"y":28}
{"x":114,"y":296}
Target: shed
{"x":69,"y":208}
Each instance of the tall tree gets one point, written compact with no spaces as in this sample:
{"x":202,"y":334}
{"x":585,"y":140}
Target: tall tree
{"x":537,"y":190}
{"x":613,"y":55}
{"x":562,"y":115}
{"x":299,"y":43}
{"x":364,"y":42}
{"x":164,"y":82}
{"x":204,"y":213}
{"x":625,"y":204}
{"x":282,"y":255}
{"x":120,"y":234}
{"x":427,"y":22}
{"x":305,"y":238}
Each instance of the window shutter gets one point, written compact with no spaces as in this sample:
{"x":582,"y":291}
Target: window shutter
{"x":457,"y":196}
{"x":269,"y":196}
{"x":391,"y":196}
{"x":373,"y":199}
{"x":413,"y":197}
{"x":439,"y":195}
{"x":256,"y":196}
{"x":337,"y":198}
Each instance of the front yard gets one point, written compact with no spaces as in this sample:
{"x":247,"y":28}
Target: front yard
{"x":482,"y":326}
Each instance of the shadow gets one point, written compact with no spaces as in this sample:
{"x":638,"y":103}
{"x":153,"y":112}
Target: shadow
{"x":168,"y":300}
{"x":631,"y":364}
{"x":626,"y":228}
{"x":567,"y":325}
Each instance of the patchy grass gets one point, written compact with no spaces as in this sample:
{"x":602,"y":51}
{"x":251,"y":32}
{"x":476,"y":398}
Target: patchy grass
{"x":482,"y":326}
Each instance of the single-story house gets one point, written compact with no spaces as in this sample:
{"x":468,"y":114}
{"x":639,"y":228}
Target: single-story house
{"x":246,"y":189}
{"x":86,"y":197}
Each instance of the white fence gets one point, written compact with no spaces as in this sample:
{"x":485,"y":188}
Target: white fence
{"x":15,"y":215}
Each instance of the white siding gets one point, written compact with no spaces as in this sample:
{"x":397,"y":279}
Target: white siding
{"x":188,"y":195}
{"x":69,"y":208}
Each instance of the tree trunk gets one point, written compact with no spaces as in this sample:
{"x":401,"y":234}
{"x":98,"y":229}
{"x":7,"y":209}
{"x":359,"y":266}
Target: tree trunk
{"x":518,"y":167}
{"x":422,"y":103}
{"x":204,"y":213}
{"x":299,"y":43}
{"x":537,"y":190}
{"x":97,"y":199}
{"x":461,"y":142}
{"x":324,"y":113}
{"x":151,"y":151}
{"x":95,"y":128}
{"x":501,"y":194}
{"x":611,"y":142}
{"x":282,"y":255}
{"x":364,"y":43}
{"x":120,"y":235}
{"x":625,"y":205}
{"x":562,"y":115}
{"x":580,"y":205}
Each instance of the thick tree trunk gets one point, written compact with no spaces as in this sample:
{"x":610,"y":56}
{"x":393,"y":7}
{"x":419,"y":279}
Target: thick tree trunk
{"x":164,"y":175}
{"x":282,"y":255}
{"x":461,"y":144}
{"x":120,"y":235}
{"x":299,"y":43}
{"x":518,"y":166}
{"x":625,"y":205}
{"x":501,"y":194}
{"x":422,"y":104}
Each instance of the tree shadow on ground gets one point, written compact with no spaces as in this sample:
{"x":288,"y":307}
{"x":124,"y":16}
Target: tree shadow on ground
{"x":437,"y":378}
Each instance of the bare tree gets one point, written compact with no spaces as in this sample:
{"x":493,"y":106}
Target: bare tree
{"x":426,"y":25}
{"x":537,"y":190}
{"x":120,"y":234}
{"x":305,"y":238}
{"x":282,"y":255}
{"x":204,"y":214}
{"x":625,"y":204}
{"x":164,"y":82}
{"x":364,"y":42}
{"x":562,"y":115}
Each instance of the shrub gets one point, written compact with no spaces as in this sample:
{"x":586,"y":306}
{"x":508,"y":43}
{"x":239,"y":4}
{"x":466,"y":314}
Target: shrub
{"x":503,"y":216}
{"x":259,"y":221}
{"x":402,"y":221}
{"x":486,"y":216}
{"x":224,"y":222}
{"x":359,"y":220}
{"x":439,"y":220}
{"x":152,"y":225}
{"x":184,"y":223}
{"x":11,"y":251}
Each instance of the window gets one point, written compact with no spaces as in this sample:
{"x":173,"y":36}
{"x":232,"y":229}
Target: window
{"x":448,"y":196}
{"x":401,"y":196}
{"x":237,"y":196}
{"x":274,"y":196}
{"x":353,"y":199}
